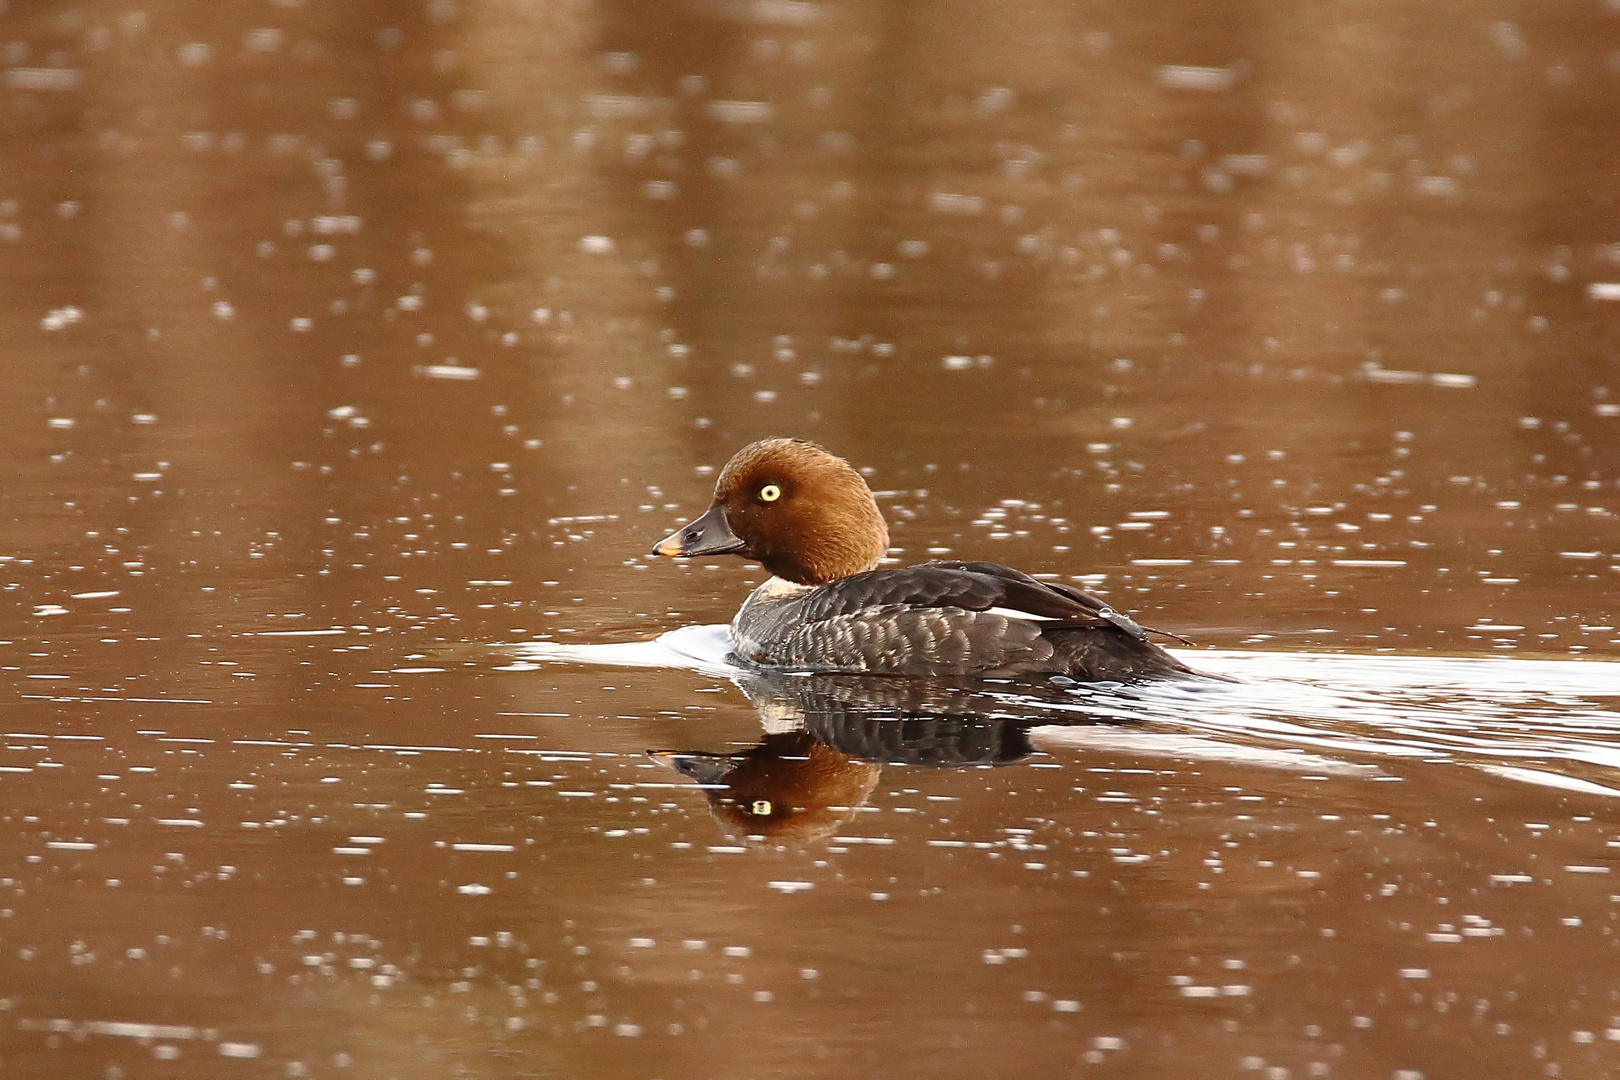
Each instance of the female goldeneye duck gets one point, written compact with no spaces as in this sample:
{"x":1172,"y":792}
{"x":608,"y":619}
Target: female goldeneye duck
{"x":810,"y":519}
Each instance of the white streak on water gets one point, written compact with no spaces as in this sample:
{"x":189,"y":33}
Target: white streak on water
{"x":1197,"y":747}
{"x":703,"y":649}
{"x":1548,"y":722}
{"x":1548,"y":779}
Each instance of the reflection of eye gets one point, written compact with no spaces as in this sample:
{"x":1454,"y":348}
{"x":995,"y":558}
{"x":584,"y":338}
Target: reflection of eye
{"x":770,"y":493}
{"x":761,"y":807}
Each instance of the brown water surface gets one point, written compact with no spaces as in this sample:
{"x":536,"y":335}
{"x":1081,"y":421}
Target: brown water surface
{"x":357,"y":354}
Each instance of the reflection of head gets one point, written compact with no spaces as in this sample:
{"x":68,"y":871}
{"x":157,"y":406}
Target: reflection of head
{"x":789,"y":789}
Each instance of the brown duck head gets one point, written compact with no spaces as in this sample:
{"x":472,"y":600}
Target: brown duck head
{"x":802,"y":513}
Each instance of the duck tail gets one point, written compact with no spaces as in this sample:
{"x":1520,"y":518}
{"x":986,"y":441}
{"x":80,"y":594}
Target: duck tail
{"x":1168,"y":634}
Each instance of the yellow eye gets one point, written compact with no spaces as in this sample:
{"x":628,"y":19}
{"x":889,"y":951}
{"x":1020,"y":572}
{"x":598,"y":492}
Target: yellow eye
{"x":770,"y":493}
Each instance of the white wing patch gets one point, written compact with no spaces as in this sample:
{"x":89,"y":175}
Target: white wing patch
{"x":1014,"y":613}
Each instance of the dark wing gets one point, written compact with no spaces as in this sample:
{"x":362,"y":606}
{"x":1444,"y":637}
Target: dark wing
{"x":971,"y":586}
{"x":904,"y":639}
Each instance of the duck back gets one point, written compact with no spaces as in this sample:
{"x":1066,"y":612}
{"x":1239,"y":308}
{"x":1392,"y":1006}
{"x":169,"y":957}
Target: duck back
{"x":945,"y":618}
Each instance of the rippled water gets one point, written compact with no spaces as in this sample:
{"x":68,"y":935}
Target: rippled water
{"x":356,"y":357}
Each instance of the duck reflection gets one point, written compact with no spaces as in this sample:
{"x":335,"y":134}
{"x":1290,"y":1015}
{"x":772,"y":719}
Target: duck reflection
{"x":829,"y":736}
{"x":789,"y":788}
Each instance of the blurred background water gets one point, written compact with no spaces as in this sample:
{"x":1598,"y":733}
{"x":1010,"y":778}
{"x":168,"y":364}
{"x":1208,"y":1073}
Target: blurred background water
{"x":357,"y":354}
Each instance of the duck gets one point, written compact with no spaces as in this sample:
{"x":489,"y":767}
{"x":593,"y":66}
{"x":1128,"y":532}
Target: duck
{"x":809,"y":518}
